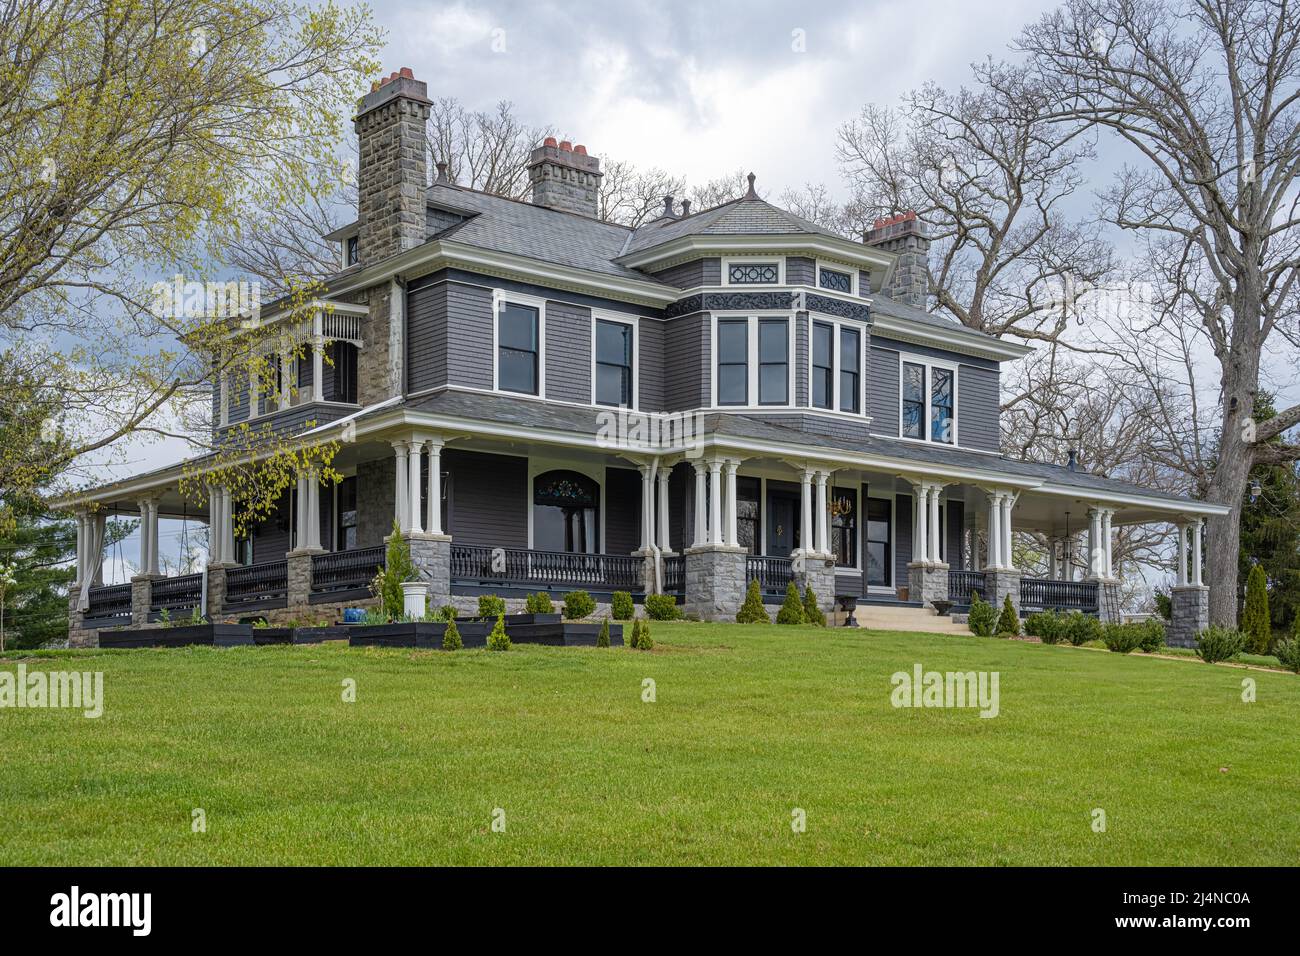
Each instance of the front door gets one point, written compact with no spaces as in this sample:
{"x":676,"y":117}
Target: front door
{"x":782,"y":515}
{"x":879,"y":544}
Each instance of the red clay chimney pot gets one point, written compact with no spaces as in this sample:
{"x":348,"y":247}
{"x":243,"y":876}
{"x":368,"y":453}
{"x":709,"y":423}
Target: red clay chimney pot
{"x":566,"y":146}
{"x":580,"y":150}
{"x":549,"y":141}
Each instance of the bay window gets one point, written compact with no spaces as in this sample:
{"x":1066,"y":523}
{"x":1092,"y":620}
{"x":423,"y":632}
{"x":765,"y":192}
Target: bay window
{"x":773,"y":362}
{"x":850,"y":369}
{"x":823,"y":365}
{"x":733,"y":362}
{"x":752,"y":364}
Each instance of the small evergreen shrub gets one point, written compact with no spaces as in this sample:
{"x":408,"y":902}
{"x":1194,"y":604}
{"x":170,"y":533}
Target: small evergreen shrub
{"x":633,"y":638}
{"x":578,"y":604}
{"x":1164,"y":605}
{"x":1255,"y":622}
{"x":812,"y":614}
{"x":447,"y":613}
{"x":792,"y":610}
{"x":451,"y":637}
{"x":498,"y":640}
{"x":983,"y":618}
{"x":539,"y":603}
{"x":1080,"y":628}
{"x":1121,"y":638}
{"x":621,"y":606}
{"x":644,"y":642}
{"x":1151,"y":635}
{"x":662,"y":607}
{"x":489,"y":606}
{"x":753,"y":611}
{"x":1218,"y":643}
{"x":1009,"y":620}
{"x":1047,"y":626}
{"x":1288,"y":653}
{"x":387,"y":582}
{"x":602,"y":639}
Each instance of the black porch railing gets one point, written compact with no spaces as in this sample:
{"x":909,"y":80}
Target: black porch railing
{"x":346,"y":570}
{"x":258,"y":583}
{"x":177,"y":594}
{"x":1058,"y":595}
{"x":773,"y":574}
{"x":520,"y":566}
{"x":674,"y":574}
{"x":962,"y":583}
{"x":109,"y":601}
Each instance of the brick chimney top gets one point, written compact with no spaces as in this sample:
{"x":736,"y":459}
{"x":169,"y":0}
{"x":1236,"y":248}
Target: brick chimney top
{"x":906,"y":237}
{"x":892,"y":227}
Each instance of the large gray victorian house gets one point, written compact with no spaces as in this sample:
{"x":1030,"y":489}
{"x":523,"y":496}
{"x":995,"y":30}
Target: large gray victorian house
{"x":546,"y":401}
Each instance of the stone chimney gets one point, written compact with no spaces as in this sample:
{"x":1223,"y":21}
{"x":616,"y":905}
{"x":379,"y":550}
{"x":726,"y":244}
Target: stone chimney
{"x":564,"y":177}
{"x":905,"y":236}
{"x":392,"y":169}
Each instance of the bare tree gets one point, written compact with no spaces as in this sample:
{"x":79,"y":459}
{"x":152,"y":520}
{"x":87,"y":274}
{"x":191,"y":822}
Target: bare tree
{"x":719,"y":190}
{"x":631,"y":196}
{"x":991,"y":178}
{"x":1205,"y":94}
{"x":482,"y":150}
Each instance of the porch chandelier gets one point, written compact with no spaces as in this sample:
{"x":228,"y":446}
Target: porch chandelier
{"x":840,"y":507}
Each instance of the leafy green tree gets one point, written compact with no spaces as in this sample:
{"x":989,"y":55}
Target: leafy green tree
{"x":1270,"y":529}
{"x":1255,"y":622}
{"x":39,"y":550}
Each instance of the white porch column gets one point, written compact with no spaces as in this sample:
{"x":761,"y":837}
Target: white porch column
{"x":214,"y":526}
{"x":1094,"y":543}
{"x":1197,"y":530}
{"x":921,"y":535}
{"x":435,"y":486}
{"x":401,"y":496}
{"x":822,"y":544}
{"x":227,"y":527}
{"x":647,"y":508}
{"x":1184,"y":532}
{"x":806,"y":542}
{"x":143,"y":504}
{"x":311,"y":515}
{"x":1108,"y":546}
{"x":665,"y":541}
{"x":995,"y":531}
{"x":701,"y":522}
{"x":317,"y":358}
{"x":300,"y":515}
{"x":149,"y":536}
{"x":733,"y":534}
{"x":413,"y":461}
{"x":82,"y":539}
{"x":1008,"y":562}
{"x":715,"y":502}
{"x":936,"y":548}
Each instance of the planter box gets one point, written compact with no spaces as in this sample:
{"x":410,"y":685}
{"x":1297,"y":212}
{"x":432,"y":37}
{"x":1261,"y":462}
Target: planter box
{"x":512,"y":619}
{"x":414,"y":634}
{"x":563,"y":634}
{"x":217,"y":635}
{"x":316,"y":635}
{"x":272,"y":635}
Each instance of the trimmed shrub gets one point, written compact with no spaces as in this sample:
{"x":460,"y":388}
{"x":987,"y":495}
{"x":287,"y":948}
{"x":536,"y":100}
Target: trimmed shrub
{"x":812,"y":614}
{"x":451,"y":637}
{"x":662,"y":607}
{"x":1008,"y":620}
{"x":578,"y":604}
{"x":498,"y":640}
{"x":753,"y":611}
{"x":644,"y":642}
{"x":1218,"y":643}
{"x":1254,"y":616}
{"x":602,"y":639}
{"x":1079,"y":628}
{"x":634,"y":638}
{"x":983,"y":618}
{"x":1151,"y":636}
{"x":539,"y":603}
{"x":1288,"y":653}
{"x":792,"y":610}
{"x":1164,"y":605}
{"x":1047,"y":626}
{"x":1121,"y":638}
{"x":489,"y":605}
{"x":621,"y":606}
{"x":446,"y":613}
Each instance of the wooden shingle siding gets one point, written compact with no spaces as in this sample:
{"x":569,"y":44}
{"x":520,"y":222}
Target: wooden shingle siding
{"x":802,"y":323}
{"x":800,"y":270}
{"x":864,"y":283}
{"x":622,"y":510}
{"x":426,"y":336}
{"x":469,"y":340}
{"x":650,"y":358}
{"x":882,"y":390}
{"x":568,"y":352}
{"x":489,"y":499}
{"x":686,"y":362}
{"x":698,"y":272}
{"x":295,"y":419}
{"x":978,"y":408}
{"x":271,"y":536}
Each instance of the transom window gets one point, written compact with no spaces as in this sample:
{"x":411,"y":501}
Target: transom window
{"x":835,"y":280}
{"x":753,"y":361}
{"x":929,"y":407}
{"x":518,"y":348}
{"x":614,"y":363}
{"x":753,"y":273}
{"x":566,"y":512}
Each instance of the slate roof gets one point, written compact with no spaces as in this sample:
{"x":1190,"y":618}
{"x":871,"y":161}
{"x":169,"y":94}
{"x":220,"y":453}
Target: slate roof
{"x":747,"y":216}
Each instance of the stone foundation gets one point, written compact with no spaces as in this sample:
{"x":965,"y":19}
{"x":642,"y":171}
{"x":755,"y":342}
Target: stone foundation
{"x":78,"y":634}
{"x":431,"y":555}
{"x":216,"y":590}
{"x":715,"y":582}
{"x":141,"y":599}
{"x":1191,"y":615}
{"x":298,"y":571}
{"x":998,"y":584}
{"x":818,"y":573}
{"x":927,"y":583}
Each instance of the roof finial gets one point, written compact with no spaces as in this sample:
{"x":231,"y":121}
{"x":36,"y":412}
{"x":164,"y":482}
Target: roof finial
{"x":751,"y":194}
{"x":442,"y":173}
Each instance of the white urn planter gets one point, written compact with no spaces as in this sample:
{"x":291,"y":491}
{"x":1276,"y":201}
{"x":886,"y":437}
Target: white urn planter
{"x":415,"y":596}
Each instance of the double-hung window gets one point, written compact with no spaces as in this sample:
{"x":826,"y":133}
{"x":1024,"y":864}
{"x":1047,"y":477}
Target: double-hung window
{"x":614,"y":351}
{"x":518,"y":348}
{"x":850,"y":369}
{"x":733,"y":361}
{"x":773,"y":362}
{"x":753,"y":361}
{"x":823,"y":365}
{"x":929,"y":407}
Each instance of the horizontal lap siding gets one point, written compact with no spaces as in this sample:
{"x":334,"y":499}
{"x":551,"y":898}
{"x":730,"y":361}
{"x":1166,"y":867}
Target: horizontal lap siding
{"x":650,"y":359}
{"x":902,"y":538}
{"x":978,"y":408}
{"x":489,"y":499}
{"x":426,"y":337}
{"x":801,"y":326}
{"x":689,"y":275}
{"x":955,"y":532}
{"x":622,"y":510}
{"x":882,"y":391}
{"x":800,"y":270}
{"x":469,"y":338}
{"x":568,"y":352}
{"x":686,"y":362}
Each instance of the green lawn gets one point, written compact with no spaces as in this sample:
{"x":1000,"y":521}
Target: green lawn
{"x":749,"y":724}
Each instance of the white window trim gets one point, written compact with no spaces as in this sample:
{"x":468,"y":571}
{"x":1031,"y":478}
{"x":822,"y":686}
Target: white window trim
{"x":499,"y":298}
{"x":861,"y":329}
{"x":539,"y":465}
{"x":634,"y":321}
{"x":751,"y":359}
{"x":836,"y":267}
{"x":929,"y":363}
{"x":727,"y":262}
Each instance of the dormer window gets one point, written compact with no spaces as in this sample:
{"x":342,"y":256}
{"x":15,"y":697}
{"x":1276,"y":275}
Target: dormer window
{"x":352,"y":255}
{"x":752,"y":271}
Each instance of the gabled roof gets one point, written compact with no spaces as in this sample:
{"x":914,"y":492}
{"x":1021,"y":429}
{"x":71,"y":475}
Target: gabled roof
{"x":747,"y":216}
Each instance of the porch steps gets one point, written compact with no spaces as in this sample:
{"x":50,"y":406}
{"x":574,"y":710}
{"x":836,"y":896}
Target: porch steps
{"x":881,"y":617}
